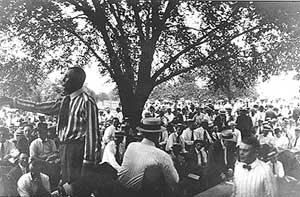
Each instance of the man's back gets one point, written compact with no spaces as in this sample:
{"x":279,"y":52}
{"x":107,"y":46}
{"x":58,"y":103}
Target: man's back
{"x":137,"y":158}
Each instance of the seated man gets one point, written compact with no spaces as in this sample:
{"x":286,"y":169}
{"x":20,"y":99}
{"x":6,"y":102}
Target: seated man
{"x":43,"y":148}
{"x":16,"y":172}
{"x":141,"y":155}
{"x":175,"y":138}
{"x":34,"y":183}
{"x":7,"y":148}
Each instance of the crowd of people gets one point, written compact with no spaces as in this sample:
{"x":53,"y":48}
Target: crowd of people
{"x":176,"y":150}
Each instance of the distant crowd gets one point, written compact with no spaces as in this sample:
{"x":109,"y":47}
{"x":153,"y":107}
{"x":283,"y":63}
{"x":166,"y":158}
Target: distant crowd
{"x":205,"y":142}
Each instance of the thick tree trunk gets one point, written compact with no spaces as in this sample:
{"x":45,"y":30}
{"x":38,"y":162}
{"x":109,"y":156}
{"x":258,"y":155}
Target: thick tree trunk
{"x":133,"y":102}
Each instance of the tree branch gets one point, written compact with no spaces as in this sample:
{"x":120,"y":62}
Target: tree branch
{"x":204,"y":61}
{"x":93,"y":51}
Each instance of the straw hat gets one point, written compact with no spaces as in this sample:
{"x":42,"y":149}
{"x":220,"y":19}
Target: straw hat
{"x":228,"y":135}
{"x":150,"y":125}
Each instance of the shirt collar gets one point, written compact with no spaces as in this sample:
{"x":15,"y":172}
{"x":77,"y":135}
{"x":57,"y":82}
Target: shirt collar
{"x":148,"y":142}
{"x":253,"y":164}
{"x":22,"y":168}
{"x":76,"y":93}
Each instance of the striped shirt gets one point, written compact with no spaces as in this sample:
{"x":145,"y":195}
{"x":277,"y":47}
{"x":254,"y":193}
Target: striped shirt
{"x":82,"y":121}
{"x":256,"y":182}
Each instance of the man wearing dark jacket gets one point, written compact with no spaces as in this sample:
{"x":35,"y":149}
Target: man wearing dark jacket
{"x":16,"y":172}
{"x":244,"y":123}
{"x":221,"y":158}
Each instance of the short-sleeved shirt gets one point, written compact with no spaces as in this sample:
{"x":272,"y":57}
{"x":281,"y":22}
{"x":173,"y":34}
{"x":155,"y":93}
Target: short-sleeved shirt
{"x":41,"y":149}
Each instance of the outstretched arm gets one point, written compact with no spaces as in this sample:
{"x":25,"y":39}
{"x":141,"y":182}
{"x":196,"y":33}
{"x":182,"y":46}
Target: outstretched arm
{"x":48,"y":108}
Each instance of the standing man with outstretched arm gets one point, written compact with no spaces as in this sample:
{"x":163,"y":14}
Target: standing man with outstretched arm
{"x":77,"y":124}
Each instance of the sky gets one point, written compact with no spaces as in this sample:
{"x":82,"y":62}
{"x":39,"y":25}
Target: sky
{"x":282,"y":86}
{"x":94,"y":80}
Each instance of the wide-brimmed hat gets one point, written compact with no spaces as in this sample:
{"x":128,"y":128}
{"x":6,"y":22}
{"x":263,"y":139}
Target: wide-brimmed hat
{"x":267,"y":128}
{"x":150,"y":125}
{"x":222,"y":111}
{"x":228,"y":135}
{"x":231,"y":123}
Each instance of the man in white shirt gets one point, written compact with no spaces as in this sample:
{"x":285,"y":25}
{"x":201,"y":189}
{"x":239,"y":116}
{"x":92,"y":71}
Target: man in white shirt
{"x":253,"y":177}
{"x":7,"y":148}
{"x":170,"y":115}
{"x":281,"y":141}
{"x":296,"y":143}
{"x":119,"y":114}
{"x":141,"y":155}
{"x":236,"y":132}
{"x":42,"y":147}
{"x":34,"y":183}
{"x":176,"y":138}
{"x":188,"y":134}
{"x":109,"y":133}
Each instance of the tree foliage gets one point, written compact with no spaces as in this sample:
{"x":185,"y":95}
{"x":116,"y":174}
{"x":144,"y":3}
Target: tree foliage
{"x":142,"y":44}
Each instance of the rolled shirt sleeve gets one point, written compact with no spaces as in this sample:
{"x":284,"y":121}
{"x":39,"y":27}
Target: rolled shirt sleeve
{"x":48,"y":108}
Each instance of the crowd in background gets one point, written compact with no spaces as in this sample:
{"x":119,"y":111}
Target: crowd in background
{"x":195,"y":136}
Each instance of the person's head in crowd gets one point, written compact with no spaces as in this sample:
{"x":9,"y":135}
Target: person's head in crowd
{"x":23,"y":159}
{"x":118,"y":109}
{"x":192,"y":107}
{"x":199,"y":144}
{"x":184,"y":111}
{"x":278,"y":132}
{"x":297,"y":132}
{"x":42,"y":118}
{"x":152,"y":109}
{"x":161,"y":113}
{"x":151,"y":129}
{"x":147,"y":114}
{"x":51,"y":132}
{"x":248,"y":149}
{"x":229,"y":110}
{"x":169,"y":110}
{"x":28,"y":130}
{"x":268,"y":153}
{"x":4,"y":134}
{"x":73,"y":80}
{"x":115,"y":122}
{"x":177,"y":149}
{"x":243,"y":111}
{"x":266,"y":130}
{"x":222,"y":112}
{"x":35,"y":167}
{"x":191,"y":123}
{"x":108,"y":110}
{"x":204,"y":124}
{"x":232,"y":124}
{"x":228,"y":138}
{"x":19,"y":133}
{"x":179,"y":128}
{"x":42,"y":130}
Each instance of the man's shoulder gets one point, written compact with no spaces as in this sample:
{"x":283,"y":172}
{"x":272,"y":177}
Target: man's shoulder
{"x":14,"y":170}
{"x":87,"y":98}
{"x":24,"y":178}
{"x":44,"y":176}
{"x":35,"y":141}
